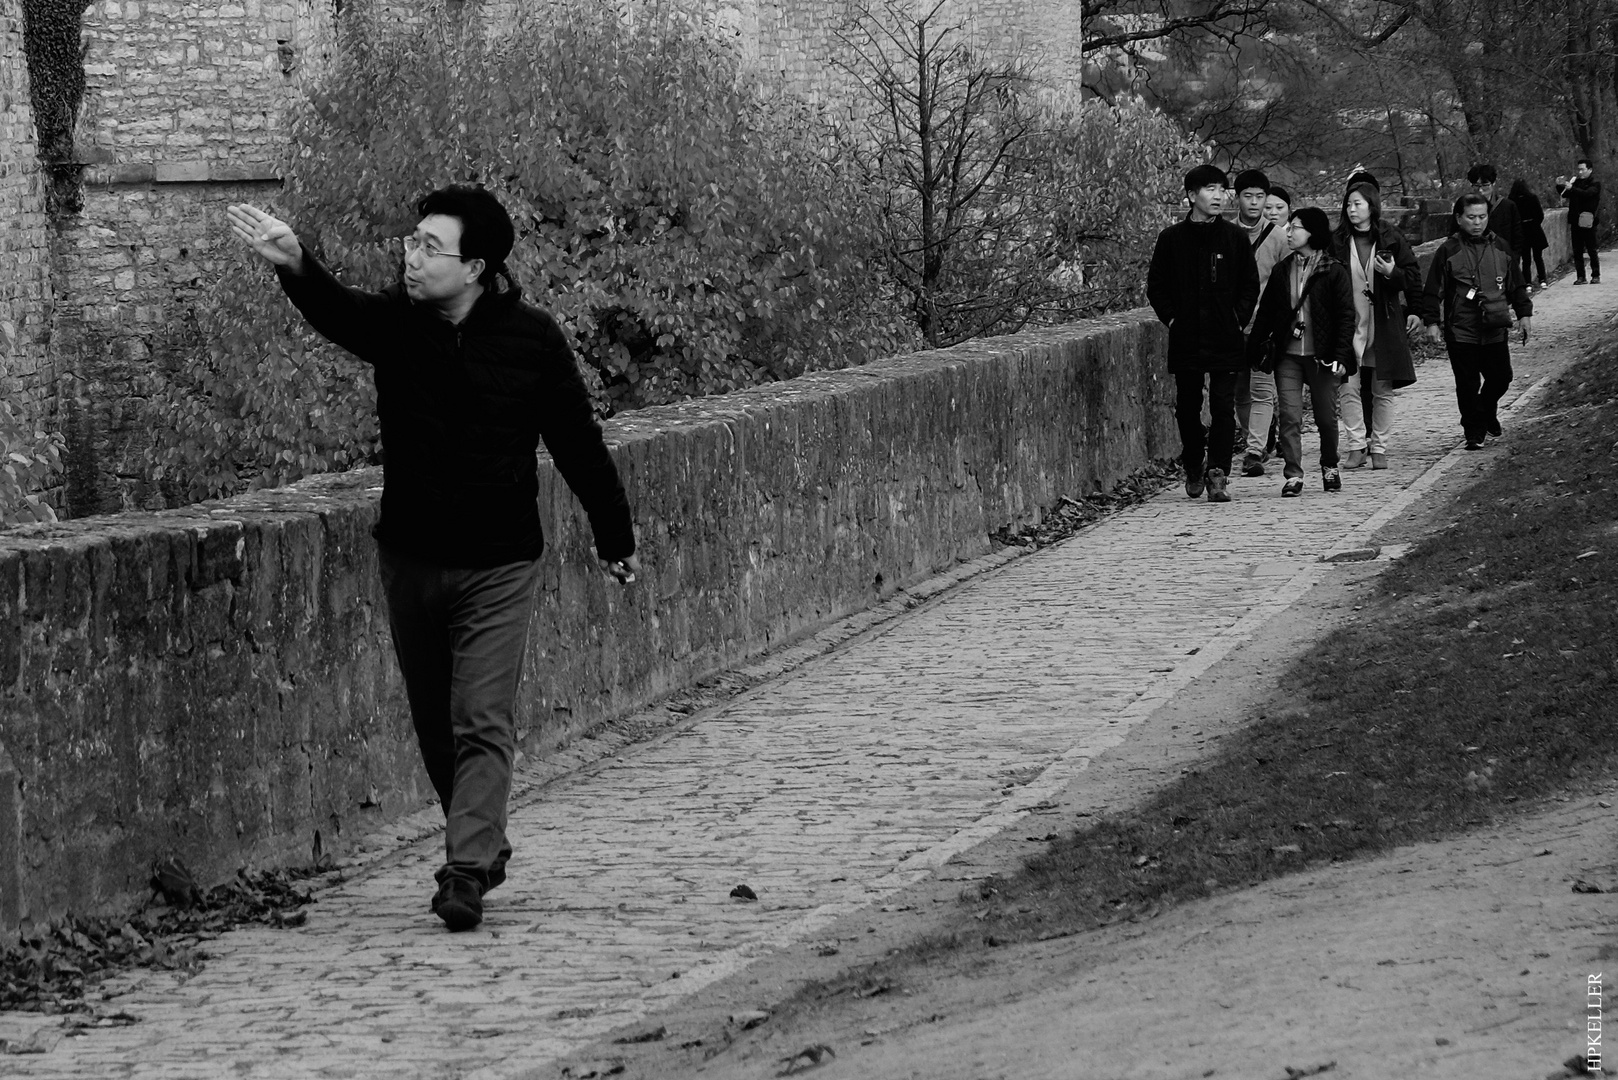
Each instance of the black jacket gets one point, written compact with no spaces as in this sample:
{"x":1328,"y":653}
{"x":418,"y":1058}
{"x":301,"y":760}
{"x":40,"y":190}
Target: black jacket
{"x":1331,"y":312}
{"x":462,"y":410}
{"x":1582,"y":197}
{"x":1203,"y":285}
{"x":1531,"y":212}
{"x":1461,"y":264}
{"x":1506,"y":223}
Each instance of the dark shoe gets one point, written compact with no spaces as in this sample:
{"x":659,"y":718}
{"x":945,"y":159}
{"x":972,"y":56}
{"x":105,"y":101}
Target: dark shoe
{"x":1216,"y":486}
{"x":1194,"y":486}
{"x":1474,"y":444}
{"x":458,"y":903}
{"x":1595,"y":279}
{"x":1494,"y":428}
{"x":1355,"y":459}
{"x":1330,"y":479}
{"x":1292,"y":488}
{"x":1379,"y":461}
{"x":1580,"y":281}
{"x":1252,"y":465}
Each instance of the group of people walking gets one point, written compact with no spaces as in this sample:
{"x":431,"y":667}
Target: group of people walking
{"x":1281,"y":299}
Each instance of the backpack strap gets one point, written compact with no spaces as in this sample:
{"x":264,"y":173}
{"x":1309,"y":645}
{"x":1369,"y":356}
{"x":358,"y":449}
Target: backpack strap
{"x":1263,"y":236}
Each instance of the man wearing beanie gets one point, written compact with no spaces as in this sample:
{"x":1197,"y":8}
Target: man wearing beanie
{"x":1203,"y":285}
{"x":1255,"y":390}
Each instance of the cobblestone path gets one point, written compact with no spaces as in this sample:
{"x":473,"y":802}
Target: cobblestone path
{"x":824,"y":790}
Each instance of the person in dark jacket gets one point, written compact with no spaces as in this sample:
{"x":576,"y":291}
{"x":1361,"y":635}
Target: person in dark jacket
{"x":1583,"y":198}
{"x":1308,"y":310}
{"x":1503,"y":219}
{"x":1472,"y":272}
{"x":1203,"y":285}
{"x":1531,"y":212}
{"x":1387,"y":296}
{"x":469,"y":379}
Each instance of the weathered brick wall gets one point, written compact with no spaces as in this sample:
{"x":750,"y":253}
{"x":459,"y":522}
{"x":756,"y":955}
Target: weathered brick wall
{"x":185,"y":111}
{"x":25,"y":277}
{"x":217,"y":683}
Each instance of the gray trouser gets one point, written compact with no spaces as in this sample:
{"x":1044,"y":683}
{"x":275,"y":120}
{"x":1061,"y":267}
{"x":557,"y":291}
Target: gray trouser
{"x":460,"y":636}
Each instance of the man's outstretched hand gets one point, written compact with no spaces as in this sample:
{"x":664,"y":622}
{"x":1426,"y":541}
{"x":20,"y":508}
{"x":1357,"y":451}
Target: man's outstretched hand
{"x":271,"y":237}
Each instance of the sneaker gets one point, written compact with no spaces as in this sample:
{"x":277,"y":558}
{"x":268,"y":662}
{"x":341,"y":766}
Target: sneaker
{"x":1474,"y":444}
{"x":1355,"y":459}
{"x":1330,"y":479}
{"x":1216,"y":486}
{"x":1494,"y":428}
{"x":458,"y":903}
{"x":1292,"y":488}
{"x":1379,"y":461}
{"x":1252,"y":465}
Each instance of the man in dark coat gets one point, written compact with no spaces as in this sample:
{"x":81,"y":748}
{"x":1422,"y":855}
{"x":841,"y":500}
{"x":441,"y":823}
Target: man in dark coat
{"x":1472,"y":270}
{"x":469,"y":379}
{"x":1504,"y":220}
{"x":1203,"y":285}
{"x":1583,"y":198}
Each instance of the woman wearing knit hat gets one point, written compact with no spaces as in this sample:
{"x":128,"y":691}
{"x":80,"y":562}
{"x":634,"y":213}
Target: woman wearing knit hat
{"x":1305,"y":332}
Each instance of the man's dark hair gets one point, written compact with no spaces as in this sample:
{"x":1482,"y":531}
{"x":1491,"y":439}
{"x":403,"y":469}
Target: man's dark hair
{"x":1318,"y":225}
{"x":1251,"y":178}
{"x":1482,"y":174}
{"x":1203,"y":175}
{"x":1585,"y":161}
{"x":486,"y":229}
{"x":1471,"y":198}
{"x":1373,"y":197}
{"x":1363,"y":176}
{"x":1279,"y":192}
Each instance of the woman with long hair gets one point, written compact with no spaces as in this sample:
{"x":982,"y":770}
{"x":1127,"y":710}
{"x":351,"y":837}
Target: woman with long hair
{"x":1386,"y":279}
{"x":1531,"y":212}
{"x":1305,"y":331}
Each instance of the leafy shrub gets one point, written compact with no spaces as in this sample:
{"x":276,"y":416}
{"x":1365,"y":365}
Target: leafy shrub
{"x":1006,"y":203}
{"x":30,"y":462}
{"x":692,"y":232}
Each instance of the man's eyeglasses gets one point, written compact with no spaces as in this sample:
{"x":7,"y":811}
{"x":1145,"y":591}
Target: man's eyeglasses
{"x":412,"y":245}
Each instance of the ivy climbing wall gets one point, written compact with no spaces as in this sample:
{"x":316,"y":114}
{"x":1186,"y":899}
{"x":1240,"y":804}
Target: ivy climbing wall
{"x":25,"y":273}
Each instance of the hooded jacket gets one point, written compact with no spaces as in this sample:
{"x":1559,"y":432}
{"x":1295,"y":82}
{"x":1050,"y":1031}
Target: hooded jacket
{"x":1203,"y":285}
{"x":463,"y":408}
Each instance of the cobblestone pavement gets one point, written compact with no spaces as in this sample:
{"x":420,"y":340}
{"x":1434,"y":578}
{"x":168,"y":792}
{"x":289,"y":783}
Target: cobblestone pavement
{"x":824,"y":790}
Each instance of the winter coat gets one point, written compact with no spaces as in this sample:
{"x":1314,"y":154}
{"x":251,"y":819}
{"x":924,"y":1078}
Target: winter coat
{"x":1330,"y":302}
{"x":1531,"y":212}
{"x":1506,"y":223}
{"x":1203,"y":285}
{"x":1463,"y":263}
{"x":1391,"y":299}
{"x":462,"y":409}
{"x":1582,"y":197}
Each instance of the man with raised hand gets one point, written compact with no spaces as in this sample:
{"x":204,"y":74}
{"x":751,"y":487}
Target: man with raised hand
{"x":1583,"y":197}
{"x":469,"y":379}
{"x":1203,"y":285}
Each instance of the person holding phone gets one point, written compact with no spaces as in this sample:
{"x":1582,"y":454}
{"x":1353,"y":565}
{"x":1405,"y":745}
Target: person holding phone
{"x":1583,"y":198}
{"x":1387,"y":281}
{"x":1473,"y":288}
{"x":1304,"y":332}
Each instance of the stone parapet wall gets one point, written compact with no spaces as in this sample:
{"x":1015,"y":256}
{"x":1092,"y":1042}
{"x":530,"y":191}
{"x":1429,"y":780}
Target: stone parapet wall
{"x":1559,"y":253}
{"x":217,"y":683}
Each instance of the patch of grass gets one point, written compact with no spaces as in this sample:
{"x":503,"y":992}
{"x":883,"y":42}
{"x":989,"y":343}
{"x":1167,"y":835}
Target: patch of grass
{"x":1480,"y":677}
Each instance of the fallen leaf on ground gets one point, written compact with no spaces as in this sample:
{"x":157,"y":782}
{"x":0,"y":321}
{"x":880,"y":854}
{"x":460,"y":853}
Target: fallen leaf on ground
{"x":747,"y":1020}
{"x":1582,"y":886}
{"x":806,"y":1059}
{"x":656,"y":1034}
{"x":742,"y":892}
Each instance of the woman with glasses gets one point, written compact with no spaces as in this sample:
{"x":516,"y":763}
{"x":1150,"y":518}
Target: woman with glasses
{"x":1387,"y":280}
{"x":1305,"y":334}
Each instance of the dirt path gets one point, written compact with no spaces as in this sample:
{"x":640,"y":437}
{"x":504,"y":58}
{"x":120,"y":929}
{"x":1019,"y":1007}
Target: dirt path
{"x":1469,"y":957}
